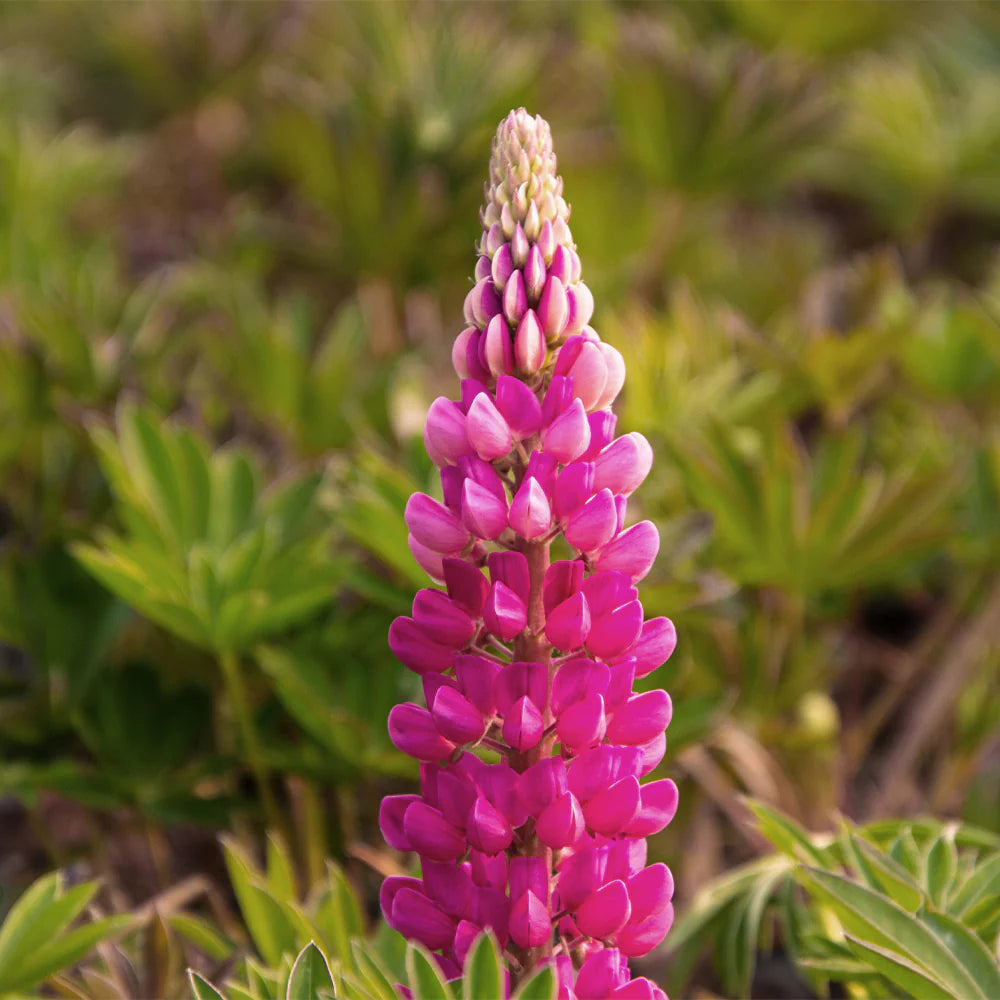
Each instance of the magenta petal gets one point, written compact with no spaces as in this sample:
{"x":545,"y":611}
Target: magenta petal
{"x":636,"y":989}
{"x":519,"y":406}
{"x":523,"y":725}
{"x":431,"y":834}
{"x":518,"y":679}
{"x":542,"y":467}
{"x":476,"y":676}
{"x":606,"y":912}
{"x":465,"y":936}
{"x":415,"y":650}
{"x":529,"y":874}
{"x":602,"y":431}
{"x":483,"y":513}
{"x":456,"y":718}
{"x":576,"y":678}
{"x":612,"y":809}
{"x":419,"y":919}
{"x":412,"y":730}
{"x":641,"y":938}
{"x":582,"y":725}
{"x":455,"y":796}
{"x":600,"y":975}
{"x":467,"y":586}
{"x":433,"y":525}
{"x":596,"y":769}
{"x":650,"y":890}
{"x":505,"y":614}
{"x":594,"y":524}
{"x":530,"y":923}
{"x":652,"y":753}
{"x":656,"y":642}
{"x":568,"y":436}
{"x":624,"y":464}
{"x":558,"y":397}
{"x":487,"y":828}
{"x":612,"y":634}
{"x":530,"y":515}
{"x":427,"y":559}
{"x":626,"y":858}
{"x":511,"y":568}
{"x":541,"y":783}
{"x":439,"y":617}
{"x":658,"y":805}
{"x":489,"y":871}
{"x":488,"y":432}
{"x":561,"y":823}
{"x":390,"y":820}
{"x":574,"y":487}
{"x":580,"y":875}
{"x":640,"y":718}
{"x":633,"y":552}
{"x":492,"y":910}
{"x":568,"y":626}
{"x":449,"y":885}
{"x":391,"y":888}
{"x":562,"y":580}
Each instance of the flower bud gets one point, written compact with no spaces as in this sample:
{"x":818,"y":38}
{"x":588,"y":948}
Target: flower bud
{"x":412,"y":730}
{"x":515,"y":299}
{"x":502,"y":266}
{"x":456,"y":718}
{"x":606,"y":912}
{"x":529,"y":344}
{"x":534,"y":275}
{"x":482,"y":512}
{"x":434,"y":525}
{"x":518,"y":405}
{"x":498,"y":351}
{"x":632,"y":552}
{"x":594,"y":524}
{"x":561,"y":823}
{"x":523,"y":726}
{"x":553,"y":309}
{"x":568,"y":435}
{"x":530,"y":515}
{"x":568,"y":626}
{"x":488,"y":432}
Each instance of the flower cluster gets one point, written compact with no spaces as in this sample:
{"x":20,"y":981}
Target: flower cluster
{"x":532,"y":818}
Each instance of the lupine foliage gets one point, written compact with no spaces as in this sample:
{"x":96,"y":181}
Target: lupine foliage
{"x":235,"y":252}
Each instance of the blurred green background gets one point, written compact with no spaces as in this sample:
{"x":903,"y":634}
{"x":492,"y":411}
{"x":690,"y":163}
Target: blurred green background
{"x":234,"y":243}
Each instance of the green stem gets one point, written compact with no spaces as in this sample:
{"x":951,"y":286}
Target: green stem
{"x":237,"y":693}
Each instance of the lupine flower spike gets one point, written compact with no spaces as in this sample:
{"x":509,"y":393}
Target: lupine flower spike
{"x":532,"y":814}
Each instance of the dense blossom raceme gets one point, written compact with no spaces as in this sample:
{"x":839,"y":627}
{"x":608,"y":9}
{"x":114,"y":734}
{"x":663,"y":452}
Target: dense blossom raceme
{"x":532,"y":814}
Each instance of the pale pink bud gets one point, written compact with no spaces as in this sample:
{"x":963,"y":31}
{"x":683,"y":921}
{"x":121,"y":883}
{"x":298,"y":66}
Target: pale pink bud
{"x":483,"y":268}
{"x":546,"y":241}
{"x":485,"y":302}
{"x":560,"y":265}
{"x":553,"y":309}
{"x":529,"y":344}
{"x":498,"y":351}
{"x":460,"y":351}
{"x":519,"y":247}
{"x":580,"y":301}
{"x":502,"y":266}
{"x":515,"y":299}
{"x":534,"y":275}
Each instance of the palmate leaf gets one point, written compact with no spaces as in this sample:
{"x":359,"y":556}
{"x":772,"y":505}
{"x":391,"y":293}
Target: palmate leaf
{"x":205,"y":554}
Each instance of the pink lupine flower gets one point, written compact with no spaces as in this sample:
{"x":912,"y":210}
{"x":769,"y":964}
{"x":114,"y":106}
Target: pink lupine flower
{"x":532,"y":813}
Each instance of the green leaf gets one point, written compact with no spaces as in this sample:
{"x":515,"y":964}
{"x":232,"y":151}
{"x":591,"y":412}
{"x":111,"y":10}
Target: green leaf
{"x":424,"y":977}
{"x":968,"y":949}
{"x":887,"y":875}
{"x":543,"y":985}
{"x":872,"y":917}
{"x":900,"y":971}
{"x":310,"y":974}
{"x":268,"y":921}
{"x":785,"y":834}
{"x":942,"y":863}
{"x":483,"y":973}
{"x":216,"y":945}
{"x":66,"y":950}
{"x":984,"y":880}
{"x":372,"y":971}
{"x":337,"y":914}
{"x":203,"y":989}
{"x":280,"y":875}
